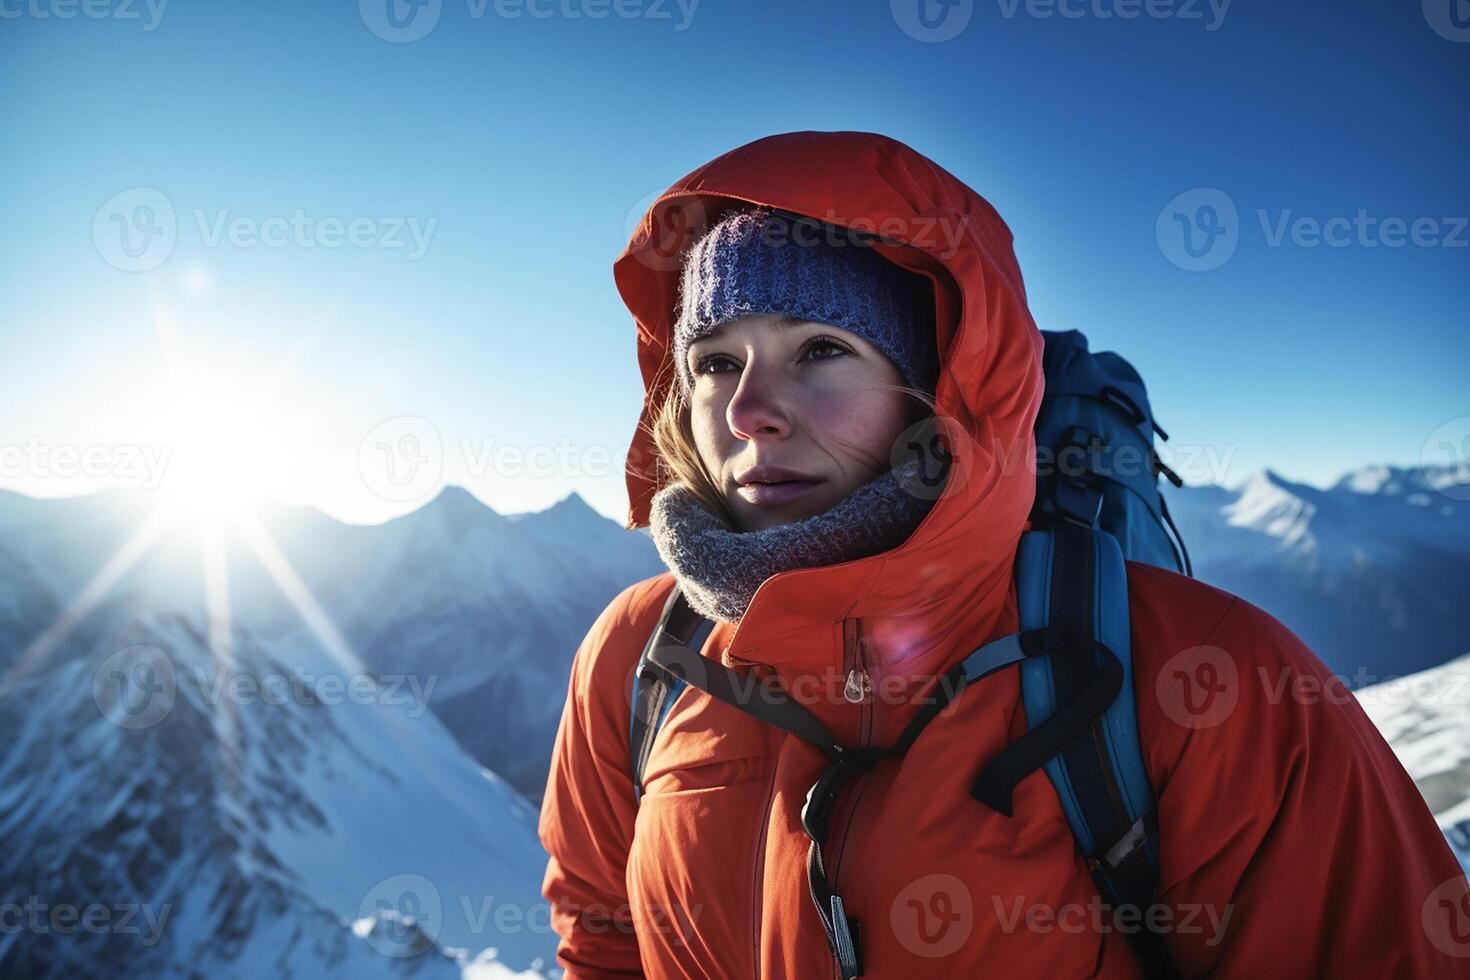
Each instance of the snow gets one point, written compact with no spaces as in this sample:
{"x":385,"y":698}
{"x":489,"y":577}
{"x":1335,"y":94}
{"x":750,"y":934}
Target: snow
{"x":1425,"y":717}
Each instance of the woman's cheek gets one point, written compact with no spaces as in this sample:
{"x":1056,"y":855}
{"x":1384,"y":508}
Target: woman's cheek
{"x":705,"y":420}
{"x":868,"y":419}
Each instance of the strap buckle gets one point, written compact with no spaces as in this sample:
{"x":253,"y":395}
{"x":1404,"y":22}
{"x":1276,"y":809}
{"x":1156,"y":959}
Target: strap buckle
{"x":1078,"y":496}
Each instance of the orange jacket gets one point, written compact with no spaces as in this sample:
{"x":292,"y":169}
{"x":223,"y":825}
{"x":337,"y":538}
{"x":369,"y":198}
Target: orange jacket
{"x":1292,"y":842}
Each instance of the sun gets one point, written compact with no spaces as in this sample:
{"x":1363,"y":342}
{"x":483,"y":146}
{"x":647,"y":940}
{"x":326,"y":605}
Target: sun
{"x":224,"y":447}
{"x":229,"y":442}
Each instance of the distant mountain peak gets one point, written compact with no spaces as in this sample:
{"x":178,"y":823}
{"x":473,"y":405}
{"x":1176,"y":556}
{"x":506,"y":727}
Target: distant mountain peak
{"x":1274,"y":506}
{"x":1378,"y":478}
{"x":1265,"y":481}
{"x":454,"y":495}
{"x":457,"y":510}
{"x":573,"y":503}
{"x":1272,"y":477}
{"x":571,"y":510}
{"x":1383,"y":479}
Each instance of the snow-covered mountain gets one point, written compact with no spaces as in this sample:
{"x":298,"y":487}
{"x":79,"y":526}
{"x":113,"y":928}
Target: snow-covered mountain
{"x":486,"y":609}
{"x":490,"y":607}
{"x":1426,"y":718}
{"x":1370,"y":572}
{"x":216,"y":808}
{"x":494,"y":607}
{"x":230,"y":760}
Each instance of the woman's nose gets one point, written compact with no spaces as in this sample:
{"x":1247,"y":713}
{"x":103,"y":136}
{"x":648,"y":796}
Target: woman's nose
{"x":757,"y":408}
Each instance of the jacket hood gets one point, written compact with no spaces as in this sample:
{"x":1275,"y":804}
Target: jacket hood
{"x":953,"y":571}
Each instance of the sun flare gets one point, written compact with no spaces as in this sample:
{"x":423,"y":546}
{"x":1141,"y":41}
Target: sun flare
{"x":224,"y":449}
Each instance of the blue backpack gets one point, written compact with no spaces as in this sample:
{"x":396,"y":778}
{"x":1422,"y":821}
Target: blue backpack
{"x":1097,"y":503}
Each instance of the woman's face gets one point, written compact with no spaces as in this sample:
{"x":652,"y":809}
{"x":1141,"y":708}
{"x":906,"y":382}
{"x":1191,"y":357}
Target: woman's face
{"x":817,"y":401}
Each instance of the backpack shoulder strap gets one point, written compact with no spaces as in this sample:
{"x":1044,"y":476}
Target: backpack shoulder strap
{"x":1082,"y":719}
{"x":656,"y":688}
{"x":1073,"y":578}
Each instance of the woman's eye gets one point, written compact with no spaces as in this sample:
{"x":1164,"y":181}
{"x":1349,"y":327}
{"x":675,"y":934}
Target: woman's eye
{"x":706,"y":364}
{"x":702,"y":365}
{"x":822,"y":343}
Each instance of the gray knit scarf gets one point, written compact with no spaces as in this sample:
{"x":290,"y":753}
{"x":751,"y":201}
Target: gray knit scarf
{"x":720,"y":568}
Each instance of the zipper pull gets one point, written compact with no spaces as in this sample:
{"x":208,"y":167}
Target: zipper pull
{"x":858,"y":684}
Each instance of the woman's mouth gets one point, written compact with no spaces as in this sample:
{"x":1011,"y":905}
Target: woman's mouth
{"x":768,"y":494}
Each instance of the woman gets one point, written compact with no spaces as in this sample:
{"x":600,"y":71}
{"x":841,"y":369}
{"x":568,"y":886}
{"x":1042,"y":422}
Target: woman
{"x":785,"y":381}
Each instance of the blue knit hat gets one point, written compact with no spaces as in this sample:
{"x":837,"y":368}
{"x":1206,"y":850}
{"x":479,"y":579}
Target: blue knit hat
{"x":762,"y":261}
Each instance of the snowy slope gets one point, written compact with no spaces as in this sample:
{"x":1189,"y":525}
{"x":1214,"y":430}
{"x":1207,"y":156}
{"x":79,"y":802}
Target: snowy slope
{"x":492,"y":607}
{"x":1426,"y":718}
{"x":293,"y":829}
{"x":278,"y":814}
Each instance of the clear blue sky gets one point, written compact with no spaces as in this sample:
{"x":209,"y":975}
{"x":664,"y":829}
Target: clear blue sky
{"x":523,"y":147}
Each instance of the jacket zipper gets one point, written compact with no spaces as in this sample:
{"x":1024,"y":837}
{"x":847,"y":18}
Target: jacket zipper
{"x":858,"y":685}
{"x":857,"y":689}
{"x":757,"y":909}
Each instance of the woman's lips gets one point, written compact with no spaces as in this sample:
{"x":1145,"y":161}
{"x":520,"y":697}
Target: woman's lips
{"x":767,"y":494}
